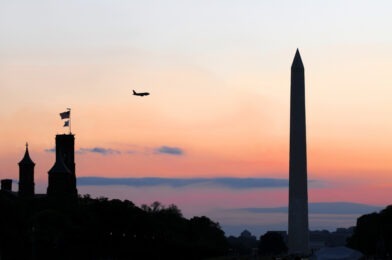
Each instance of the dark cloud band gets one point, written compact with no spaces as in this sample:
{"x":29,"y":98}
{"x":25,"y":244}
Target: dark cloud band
{"x":99,"y":150}
{"x":323,"y":208}
{"x":233,"y":183}
{"x":169,"y":150}
{"x":176,"y":151}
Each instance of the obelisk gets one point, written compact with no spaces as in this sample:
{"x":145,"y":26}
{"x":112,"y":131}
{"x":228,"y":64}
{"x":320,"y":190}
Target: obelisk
{"x":298,"y":188}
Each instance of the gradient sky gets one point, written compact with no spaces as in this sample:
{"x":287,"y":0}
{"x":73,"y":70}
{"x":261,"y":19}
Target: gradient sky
{"x":218,"y":73}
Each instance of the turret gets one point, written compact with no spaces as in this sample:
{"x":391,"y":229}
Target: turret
{"x":62,"y":179}
{"x":26,"y":175}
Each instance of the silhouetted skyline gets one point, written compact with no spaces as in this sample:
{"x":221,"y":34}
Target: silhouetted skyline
{"x":219,"y":104}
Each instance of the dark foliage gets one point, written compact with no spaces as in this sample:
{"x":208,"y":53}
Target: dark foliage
{"x":272,"y":243}
{"x":88,"y":228}
{"x":373,"y":234}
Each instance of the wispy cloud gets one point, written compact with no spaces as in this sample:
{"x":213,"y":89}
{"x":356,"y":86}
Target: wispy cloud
{"x":169,"y":150}
{"x":232,"y":183}
{"x":110,"y":151}
{"x":99,"y":150}
{"x":324,"y":208}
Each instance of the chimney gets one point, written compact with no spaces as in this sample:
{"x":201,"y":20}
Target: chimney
{"x":6,"y":185}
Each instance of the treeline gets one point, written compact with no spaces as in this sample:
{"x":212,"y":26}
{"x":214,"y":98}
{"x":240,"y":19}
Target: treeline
{"x":373,"y":234}
{"x":272,"y":243}
{"x":86,"y":228}
{"x":43,"y":228}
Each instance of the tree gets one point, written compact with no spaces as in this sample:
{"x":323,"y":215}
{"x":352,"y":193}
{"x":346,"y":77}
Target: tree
{"x":42,"y":228}
{"x":373,"y":234}
{"x":271,"y":243}
{"x":207,"y":237}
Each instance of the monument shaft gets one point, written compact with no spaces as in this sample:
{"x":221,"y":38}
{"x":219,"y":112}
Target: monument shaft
{"x":298,"y":188}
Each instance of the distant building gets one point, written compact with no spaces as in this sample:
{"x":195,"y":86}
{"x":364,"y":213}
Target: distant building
{"x":6,"y":185}
{"x":246,"y":234}
{"x":26,"y":175}
{"x":320,"y":239}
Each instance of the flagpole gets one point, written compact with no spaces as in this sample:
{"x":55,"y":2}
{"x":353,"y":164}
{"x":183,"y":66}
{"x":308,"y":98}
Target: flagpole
{"x":70,"y":132}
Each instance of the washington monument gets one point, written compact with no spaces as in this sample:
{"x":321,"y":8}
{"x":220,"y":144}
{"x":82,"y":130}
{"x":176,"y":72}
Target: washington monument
{"x":298,"y":188}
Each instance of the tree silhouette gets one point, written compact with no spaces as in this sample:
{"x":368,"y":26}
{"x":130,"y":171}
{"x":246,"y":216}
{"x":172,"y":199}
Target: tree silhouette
{"x":373,"y":234}
{"x":43,"y":228}
{"x":271,"y":243}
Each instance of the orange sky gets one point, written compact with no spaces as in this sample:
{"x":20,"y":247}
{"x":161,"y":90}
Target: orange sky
{"x":219,"y":88}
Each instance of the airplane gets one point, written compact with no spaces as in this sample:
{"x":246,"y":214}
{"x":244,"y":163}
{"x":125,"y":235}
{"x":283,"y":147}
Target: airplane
{"x":141,"y":94}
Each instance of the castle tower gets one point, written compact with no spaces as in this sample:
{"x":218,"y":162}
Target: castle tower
{"x":62,"y":177}
{"x":298,"y":188}
{"x":26,"y":175}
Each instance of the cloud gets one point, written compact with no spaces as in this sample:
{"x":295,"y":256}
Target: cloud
{"x":99,"y":150}
{"x":109,"y":151}
{"x":246,"y":183}
{"x":169,"y":150}
{"x":324,"y":208}
{"x":232,"y":183}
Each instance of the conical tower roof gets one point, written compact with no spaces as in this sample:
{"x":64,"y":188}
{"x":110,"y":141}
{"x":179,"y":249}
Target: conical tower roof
{"x":297,"y":62}
{"x":26,"y":158}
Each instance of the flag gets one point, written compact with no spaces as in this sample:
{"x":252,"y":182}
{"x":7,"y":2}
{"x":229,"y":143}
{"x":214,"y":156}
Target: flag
{"x":65,"y":115}
{"x":66,"y":123}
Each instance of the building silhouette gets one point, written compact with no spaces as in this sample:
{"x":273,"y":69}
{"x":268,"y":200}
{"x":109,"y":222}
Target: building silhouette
{"x":6,"y":185}
{"x":62,"y":177}
{"x":298,"y":235}
{"x":26,"y":175}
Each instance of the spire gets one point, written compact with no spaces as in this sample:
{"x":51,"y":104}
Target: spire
{"x":26,"y":159}
{"x":297,"y":62}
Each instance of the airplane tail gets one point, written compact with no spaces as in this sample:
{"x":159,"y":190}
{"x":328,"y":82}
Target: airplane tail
{"x":134,"y":92}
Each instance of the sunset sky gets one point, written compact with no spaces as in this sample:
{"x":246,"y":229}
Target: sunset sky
{"x":219,"y":77}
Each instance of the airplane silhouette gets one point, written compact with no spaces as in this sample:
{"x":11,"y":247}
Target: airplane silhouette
{"x":141,"y":94}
